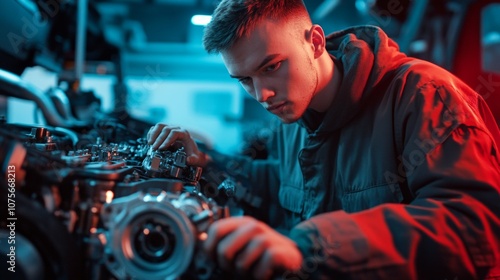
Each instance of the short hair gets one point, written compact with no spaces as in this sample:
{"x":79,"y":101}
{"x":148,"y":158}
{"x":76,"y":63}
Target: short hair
{"x":234,"y":19}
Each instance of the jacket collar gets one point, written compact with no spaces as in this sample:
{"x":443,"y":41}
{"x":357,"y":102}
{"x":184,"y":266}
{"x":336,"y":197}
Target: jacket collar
{"x":364,"y":55}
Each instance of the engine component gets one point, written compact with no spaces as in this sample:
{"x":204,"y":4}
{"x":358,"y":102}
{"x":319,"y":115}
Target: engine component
{"x":124,"y":210}
{"x":155,"y":236}
{"x":168,"y":164}
{"x":44,"y":249}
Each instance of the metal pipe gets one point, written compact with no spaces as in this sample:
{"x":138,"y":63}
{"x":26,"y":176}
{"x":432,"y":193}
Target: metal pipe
{"x":81,"y":28}
{"x":12,"y":85}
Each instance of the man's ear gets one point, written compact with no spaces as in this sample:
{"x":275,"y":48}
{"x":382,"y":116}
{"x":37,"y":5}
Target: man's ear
{"x":317,"y":40}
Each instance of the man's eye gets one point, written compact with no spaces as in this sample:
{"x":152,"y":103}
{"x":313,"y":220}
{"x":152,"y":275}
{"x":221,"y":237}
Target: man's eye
{"x":245,"y":80}
{"x":273,"y":67}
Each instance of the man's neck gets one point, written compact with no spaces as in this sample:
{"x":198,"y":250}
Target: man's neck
{"x":329,"y":78}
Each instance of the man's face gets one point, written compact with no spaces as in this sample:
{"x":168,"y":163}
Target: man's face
{"x":274,"y":64}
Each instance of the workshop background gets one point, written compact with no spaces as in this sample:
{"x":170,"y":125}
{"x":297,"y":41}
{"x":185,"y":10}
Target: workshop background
{"x":146,"y":56}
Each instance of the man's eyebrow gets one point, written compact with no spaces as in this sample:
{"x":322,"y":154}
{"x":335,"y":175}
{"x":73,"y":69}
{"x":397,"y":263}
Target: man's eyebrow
{"x":264,"y":62}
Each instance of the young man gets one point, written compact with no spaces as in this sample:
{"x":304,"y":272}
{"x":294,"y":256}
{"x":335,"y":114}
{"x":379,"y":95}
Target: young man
{"x":388,"y":165}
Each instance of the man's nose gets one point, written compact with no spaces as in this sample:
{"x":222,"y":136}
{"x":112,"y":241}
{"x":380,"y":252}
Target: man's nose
{"x":262,"y":94}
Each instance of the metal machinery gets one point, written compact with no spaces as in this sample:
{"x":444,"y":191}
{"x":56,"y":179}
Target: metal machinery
{"x":84,"y":197}
{"x":84,"y":208}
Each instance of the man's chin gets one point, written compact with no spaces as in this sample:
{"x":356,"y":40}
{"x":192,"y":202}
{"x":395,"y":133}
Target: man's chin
{"x":288,"y":119}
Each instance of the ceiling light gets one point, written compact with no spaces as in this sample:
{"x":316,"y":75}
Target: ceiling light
{"x":201,"y":19}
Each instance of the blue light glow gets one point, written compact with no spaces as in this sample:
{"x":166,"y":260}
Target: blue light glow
{"x":201,"y":20}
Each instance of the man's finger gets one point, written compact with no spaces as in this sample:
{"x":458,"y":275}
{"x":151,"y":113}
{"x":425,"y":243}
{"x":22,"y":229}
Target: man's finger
{"x":264,"y":267}
{"x":221,"y":228}
{"x":176,"y":135}
{"x":234,"y":243}
{"x":160,"y":136}
{"x":153,"y":133}
{"x":148,"y":135}
{"x":249,"y":256}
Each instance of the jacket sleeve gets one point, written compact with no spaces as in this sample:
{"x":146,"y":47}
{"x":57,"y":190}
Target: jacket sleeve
{"x":451,"y":228}
{"x":259,"y":177}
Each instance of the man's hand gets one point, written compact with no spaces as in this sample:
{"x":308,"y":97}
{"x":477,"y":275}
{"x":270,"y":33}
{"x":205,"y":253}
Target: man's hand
{"x":250,"y":247}
{"x":162,"y":136}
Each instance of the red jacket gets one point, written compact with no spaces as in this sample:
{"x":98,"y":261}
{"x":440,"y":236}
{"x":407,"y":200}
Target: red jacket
{"x":401,"y":178}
